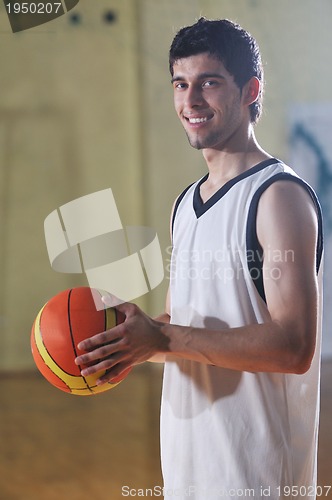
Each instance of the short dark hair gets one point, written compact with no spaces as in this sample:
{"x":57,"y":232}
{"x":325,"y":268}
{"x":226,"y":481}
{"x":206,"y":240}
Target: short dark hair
{"x":228,"y":42}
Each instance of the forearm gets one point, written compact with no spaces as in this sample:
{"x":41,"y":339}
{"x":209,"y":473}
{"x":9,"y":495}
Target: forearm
{"x":268,"y":347}
{"x":160,"y":358}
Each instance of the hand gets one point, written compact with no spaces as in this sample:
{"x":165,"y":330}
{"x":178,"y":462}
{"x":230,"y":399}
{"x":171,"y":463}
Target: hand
{"x":132,"y":342}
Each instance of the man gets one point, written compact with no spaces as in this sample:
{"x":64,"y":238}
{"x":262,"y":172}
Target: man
{"x":241,"y":333}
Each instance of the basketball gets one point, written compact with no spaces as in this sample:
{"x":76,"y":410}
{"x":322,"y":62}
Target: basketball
{"x":63,"y":322}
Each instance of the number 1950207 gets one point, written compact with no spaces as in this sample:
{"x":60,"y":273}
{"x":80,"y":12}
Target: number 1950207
{"x":33,"y":8}
{"x":304,"y":491}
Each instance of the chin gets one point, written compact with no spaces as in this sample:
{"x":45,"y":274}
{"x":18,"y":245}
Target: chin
{"x":196,"y":145}
{"x":195,"y":142}
{"x":211,"y":141}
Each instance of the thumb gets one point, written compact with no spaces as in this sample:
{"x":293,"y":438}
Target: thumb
{"x":111,"y":300}
{"x":127,"y":309}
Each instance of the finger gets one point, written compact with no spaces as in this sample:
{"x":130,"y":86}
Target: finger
{"x":111,"y":366}
{"x":101,"y":352}
{"x":103,"y":365}
{"x":100,"y":339}
{"x":112,"y":375}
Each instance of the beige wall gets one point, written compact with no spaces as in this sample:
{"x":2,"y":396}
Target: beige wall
{"x":69,"y":126}
{"x":90,"y":106}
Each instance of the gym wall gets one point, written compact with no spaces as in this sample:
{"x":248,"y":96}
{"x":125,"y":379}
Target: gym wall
{"x":86,"y":103}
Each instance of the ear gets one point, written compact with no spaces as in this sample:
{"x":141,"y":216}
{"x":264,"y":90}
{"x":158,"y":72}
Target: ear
{"x":251,"y":91}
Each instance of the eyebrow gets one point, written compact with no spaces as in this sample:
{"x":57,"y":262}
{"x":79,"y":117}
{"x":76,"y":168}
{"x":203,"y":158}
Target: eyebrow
{"x":201,"y":76}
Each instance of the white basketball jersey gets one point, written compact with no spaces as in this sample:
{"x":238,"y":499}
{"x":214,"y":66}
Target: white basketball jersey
{"x":227,"y":433}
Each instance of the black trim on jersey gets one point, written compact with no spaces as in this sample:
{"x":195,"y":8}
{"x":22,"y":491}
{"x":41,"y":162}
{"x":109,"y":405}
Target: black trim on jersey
{"x":200,"y":208}
{"x":254,"y":249}
{"x":177,"y":203}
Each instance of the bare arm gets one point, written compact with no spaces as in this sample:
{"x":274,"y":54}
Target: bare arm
{"x":162,"y":318}
{"x":286,"y":221}
{"x":166,"y":316}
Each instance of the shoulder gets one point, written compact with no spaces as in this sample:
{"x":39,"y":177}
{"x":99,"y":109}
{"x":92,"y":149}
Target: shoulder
{"x":289,"y":195}
{"x":284,"y":198}
{"x":287,"y":210}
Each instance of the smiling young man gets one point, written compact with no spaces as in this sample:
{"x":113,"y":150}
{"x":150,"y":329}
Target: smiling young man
{"x":241,"y":333}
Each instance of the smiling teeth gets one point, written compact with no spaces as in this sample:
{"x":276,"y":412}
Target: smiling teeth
{"x":198,"y":120}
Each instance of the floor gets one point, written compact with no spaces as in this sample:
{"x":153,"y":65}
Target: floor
{"x":55,"y":446}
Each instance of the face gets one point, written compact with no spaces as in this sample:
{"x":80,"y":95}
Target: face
{"x":208,"y":102}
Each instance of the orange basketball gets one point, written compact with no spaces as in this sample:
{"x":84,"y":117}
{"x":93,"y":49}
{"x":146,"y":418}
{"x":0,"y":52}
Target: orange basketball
{"x":64,"y":321}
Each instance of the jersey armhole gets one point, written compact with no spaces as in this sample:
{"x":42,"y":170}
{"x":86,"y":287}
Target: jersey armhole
{"x":176,"y":206}
{"x":254,"y":250}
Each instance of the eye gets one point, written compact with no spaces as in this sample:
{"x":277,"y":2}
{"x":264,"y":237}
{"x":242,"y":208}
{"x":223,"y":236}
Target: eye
{"x":210,"y":83}
{"x":179,"y":85}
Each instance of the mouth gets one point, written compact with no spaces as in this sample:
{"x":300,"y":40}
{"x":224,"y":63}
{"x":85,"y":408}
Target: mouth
{"x":198,"y":120}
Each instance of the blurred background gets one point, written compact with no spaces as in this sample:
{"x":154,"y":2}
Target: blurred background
{"x":86,"y":104}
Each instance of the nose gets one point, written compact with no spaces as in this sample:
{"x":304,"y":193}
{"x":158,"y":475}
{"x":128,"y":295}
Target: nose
{"x":194,"y":97}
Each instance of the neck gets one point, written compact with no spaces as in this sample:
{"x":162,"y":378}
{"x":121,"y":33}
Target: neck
{"x":226,"y":163}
